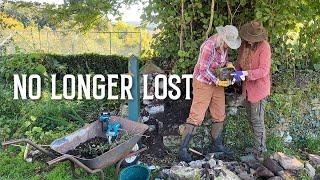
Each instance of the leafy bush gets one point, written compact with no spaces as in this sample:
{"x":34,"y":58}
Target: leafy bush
{"x":21,"y":64}
{"x":292,"y":28}
{"x":292,"y":109}
{"x":44,"y":120}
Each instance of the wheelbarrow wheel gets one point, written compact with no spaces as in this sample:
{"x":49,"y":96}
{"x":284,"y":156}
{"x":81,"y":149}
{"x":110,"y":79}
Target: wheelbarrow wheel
{"x":132,"y":160}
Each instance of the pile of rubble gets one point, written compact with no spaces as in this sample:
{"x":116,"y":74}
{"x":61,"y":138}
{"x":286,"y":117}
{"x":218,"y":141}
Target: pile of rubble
{"x":276,"y":167}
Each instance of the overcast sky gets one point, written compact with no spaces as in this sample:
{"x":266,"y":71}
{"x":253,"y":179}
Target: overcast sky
{"x":129,"y":14}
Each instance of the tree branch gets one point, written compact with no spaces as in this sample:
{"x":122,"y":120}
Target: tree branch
{"x":182,"y":25}
{"x":211,"y":19}
{"x":229,"y":10}
{"x":232,"y":15}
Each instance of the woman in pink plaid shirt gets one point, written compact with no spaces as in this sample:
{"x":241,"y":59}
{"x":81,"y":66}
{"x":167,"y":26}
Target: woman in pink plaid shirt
{"x":208,"y":90}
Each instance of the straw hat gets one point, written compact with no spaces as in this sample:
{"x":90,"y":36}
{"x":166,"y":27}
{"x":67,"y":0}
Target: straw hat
{"x":253,"y":32}
{"x":230,"y":36}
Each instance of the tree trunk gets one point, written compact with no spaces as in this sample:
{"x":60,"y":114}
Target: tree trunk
{"x":229,"y":10}
{"x":211,"y":19}
{"x":182,"y":23}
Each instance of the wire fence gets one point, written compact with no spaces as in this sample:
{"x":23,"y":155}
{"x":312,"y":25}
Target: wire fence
{"x":70,"y":42}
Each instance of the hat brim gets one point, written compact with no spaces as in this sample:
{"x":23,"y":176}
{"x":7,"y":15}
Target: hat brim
{"x":250,"y":38}
{"x":233,"y":44}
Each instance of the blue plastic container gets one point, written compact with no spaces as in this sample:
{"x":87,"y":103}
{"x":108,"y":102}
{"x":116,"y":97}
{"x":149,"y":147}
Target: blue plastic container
{"x":135,"y":172}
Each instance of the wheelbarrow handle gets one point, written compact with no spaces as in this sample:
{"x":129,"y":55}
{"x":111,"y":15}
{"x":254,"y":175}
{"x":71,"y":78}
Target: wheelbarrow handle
{"x":57,"y":159}
{"x":74,"y":160}
{"x":28,"y":141}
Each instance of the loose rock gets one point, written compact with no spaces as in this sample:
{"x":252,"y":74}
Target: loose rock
{"x":314,"y":159}
{"x":263,"y":172}
{"x":310,"y":170}
{"x":287,"y":175}
{"x":185,"y":173}
{"x":237,"y":169}
{"x":212,"y":163}
{"x":145,"y":119}
{"x":146,"y":102}
{"x":197,"y":164}
{"x":272,"y":165}
{"x":287,"y":139}
{"x":287,"y":162}
{"x":164,"y":174}
{"x":152,"y":128}
{"x":220,"y":163}
{"x":209,"y":156}
{"x":246,"y":176}
{"x":280,"y":173}
{"x":275,"y":178}
{"x":182,"y":163}
{"x":155,"y":109}
{"x":227,"y":175}
{"x":252,"y":171}
{"x":251,"y":161}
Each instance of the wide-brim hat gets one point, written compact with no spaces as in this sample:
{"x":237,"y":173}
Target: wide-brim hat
{"x":253,"y":32}
{"x":230,"y":36}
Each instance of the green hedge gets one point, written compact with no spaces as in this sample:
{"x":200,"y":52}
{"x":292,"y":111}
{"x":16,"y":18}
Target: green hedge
{"x":57,"y":64}
{"x":86,"y":63}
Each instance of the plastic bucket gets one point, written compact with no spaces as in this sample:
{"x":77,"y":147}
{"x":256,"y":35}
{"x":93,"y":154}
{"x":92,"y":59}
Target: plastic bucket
{"x":135,"y":172}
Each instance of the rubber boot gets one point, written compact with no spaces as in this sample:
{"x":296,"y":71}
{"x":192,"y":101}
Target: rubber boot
{"x":218,"y":147}
{"x":186,"y":138}
{"x":259,"y":139}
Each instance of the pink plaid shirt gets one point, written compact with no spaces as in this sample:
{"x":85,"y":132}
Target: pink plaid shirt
{"x":209,"y":60}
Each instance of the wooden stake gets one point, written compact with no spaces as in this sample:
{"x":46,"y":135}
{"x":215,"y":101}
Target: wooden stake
{"x":196,"y":152}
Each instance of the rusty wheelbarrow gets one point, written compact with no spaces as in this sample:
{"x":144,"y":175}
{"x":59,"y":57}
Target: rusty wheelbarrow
{"x":61,"y":146}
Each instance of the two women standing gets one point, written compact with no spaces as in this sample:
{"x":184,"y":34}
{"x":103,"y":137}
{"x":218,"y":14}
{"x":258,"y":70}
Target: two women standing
{"x":252,"y":67}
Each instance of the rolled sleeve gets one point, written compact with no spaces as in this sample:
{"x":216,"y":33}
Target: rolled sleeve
{"x":205,"y":61}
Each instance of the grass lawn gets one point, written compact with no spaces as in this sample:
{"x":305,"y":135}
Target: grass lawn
{"x":12,"y":166}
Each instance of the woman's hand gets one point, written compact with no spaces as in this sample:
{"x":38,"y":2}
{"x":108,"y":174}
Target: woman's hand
{"x":239,"y":76}
{"x":225,"y":83}
{"x":229,"y":65}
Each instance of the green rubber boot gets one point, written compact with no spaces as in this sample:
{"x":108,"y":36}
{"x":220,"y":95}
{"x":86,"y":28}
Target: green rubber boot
{"x":218,"y":147}
{"x":188,"y":132}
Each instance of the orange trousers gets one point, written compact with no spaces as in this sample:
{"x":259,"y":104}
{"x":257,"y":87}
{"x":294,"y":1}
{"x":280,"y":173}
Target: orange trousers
{"x":206,"y":96}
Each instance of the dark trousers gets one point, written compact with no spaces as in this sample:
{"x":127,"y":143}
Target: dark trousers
{"x":255,"y":113}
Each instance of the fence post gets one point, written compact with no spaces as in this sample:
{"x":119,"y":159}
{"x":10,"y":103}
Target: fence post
{"x":3,"y":43}
{"x":134,"y":103}
{"x":140,"y":43}
{"x":110,"y":42}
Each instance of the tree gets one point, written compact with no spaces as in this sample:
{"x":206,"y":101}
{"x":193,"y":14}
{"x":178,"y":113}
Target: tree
{"x":211,"y":19}
{"x":293,"y":28}
{"x":189,"y":28}
{"x":85,"y":14}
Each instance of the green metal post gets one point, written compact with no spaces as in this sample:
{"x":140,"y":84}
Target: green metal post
{"x":134,"y":103}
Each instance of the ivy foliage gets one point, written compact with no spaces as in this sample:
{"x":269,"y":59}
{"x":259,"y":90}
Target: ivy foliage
{"x":293,"y":28}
